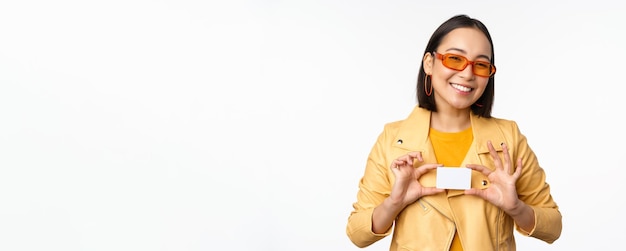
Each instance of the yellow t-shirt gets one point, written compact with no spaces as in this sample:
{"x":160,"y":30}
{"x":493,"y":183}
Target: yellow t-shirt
{"x":450,"y":150}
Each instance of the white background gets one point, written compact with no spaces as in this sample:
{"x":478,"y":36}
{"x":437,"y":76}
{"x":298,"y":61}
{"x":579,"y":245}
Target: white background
{"x":245,"y":125}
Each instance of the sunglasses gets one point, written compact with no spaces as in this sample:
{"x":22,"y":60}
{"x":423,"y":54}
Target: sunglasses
{"x":458,"y":63}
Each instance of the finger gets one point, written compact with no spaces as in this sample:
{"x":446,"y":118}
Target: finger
{"x":475,"y":191}
{"x":410,"y":157}
{"x":507,"y":160}
{"x":397,"y":163}
{"x":494,"y":154}
{"x":406,"y":159}
{"x":417,"y":155}
{"x":425,"y":168}
{"x":431,"y":190}
{"x":479,"y":168}
{"x":518,"y":169}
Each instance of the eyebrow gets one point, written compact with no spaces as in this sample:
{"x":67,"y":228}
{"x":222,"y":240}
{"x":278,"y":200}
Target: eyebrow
{"x":463,"y":51}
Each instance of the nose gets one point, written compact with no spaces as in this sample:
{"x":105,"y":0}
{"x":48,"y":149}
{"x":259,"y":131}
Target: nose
{"x":468,"y":72}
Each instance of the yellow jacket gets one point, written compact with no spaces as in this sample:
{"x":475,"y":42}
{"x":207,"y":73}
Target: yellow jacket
{"x":430,"y":222}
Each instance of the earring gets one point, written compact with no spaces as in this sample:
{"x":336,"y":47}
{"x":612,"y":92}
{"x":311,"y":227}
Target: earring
{"x":427,"y":90}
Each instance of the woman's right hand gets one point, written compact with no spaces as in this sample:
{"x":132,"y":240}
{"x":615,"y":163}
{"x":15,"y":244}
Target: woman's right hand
{"x":407,"y":188}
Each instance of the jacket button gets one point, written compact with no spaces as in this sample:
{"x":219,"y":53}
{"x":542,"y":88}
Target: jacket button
{"x":484,"y":182}
{"x":399,"y":142}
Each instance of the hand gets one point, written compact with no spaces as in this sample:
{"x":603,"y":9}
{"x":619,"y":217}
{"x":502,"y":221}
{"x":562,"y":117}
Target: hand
{"x":502,"y":191}
{"x":407,"y":188}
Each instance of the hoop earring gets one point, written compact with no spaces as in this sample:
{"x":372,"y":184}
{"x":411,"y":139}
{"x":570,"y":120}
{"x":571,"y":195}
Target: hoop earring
{"x":479,"y":105}
{"x":427,"y":90}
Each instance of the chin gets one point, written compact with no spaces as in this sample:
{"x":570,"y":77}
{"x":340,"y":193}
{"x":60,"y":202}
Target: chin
{"x":462,"y":106}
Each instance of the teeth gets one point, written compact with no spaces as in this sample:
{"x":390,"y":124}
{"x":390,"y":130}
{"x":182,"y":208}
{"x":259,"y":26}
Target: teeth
{"x":461,"y":88}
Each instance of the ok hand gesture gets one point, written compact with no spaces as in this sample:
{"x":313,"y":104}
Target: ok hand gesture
{"x":502,"y":191}
{"x":407,"y":188}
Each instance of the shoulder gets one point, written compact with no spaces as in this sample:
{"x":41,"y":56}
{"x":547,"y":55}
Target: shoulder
{"x":507,"y":125}
{"x":418,"y":119}
{"x":394,"y":125}
{"x":502,"y":123}
{"x":390,"y":131}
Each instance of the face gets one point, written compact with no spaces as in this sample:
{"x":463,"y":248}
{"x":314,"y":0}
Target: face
{"x":452,"y":89}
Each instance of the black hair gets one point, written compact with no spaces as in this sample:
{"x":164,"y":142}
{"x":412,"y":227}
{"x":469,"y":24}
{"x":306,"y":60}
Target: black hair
{"x":484,"y":104}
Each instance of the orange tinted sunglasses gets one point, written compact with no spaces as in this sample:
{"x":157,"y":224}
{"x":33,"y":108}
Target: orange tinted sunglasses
{"x":458,"y":63}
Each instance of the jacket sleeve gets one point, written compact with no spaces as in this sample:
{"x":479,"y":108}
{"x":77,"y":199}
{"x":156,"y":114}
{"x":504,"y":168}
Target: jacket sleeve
{"x":374,"y":187}
{"x":533,"y":189}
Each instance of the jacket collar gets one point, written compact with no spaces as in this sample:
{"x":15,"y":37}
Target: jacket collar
{"x":413,"y":132}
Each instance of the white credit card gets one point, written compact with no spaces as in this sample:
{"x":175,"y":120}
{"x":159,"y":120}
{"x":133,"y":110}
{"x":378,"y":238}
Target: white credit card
{"x":454,"y":178}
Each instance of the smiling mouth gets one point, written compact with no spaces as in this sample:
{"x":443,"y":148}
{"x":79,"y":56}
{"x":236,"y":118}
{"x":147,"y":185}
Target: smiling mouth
{"x":462,"y":88}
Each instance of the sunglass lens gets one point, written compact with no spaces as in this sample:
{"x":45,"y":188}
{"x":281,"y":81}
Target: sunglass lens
{"x":455,"y":62}
{"x":482,"y":69}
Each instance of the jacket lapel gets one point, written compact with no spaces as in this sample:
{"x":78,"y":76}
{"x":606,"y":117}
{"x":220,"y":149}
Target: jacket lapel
{"x":413,"y":133}
{"x":485,"y":130}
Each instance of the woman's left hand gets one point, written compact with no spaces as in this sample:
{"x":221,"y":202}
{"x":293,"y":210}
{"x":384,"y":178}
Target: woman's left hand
{"x":502,"y":191}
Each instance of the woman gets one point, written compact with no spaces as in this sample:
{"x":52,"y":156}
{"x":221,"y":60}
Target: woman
{"x":452,"y":127}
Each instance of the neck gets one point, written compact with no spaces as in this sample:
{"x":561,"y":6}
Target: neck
{"x":450,"y":120}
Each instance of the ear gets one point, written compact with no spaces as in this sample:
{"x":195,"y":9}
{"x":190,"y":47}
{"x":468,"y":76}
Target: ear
{"x":428,"y":61}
